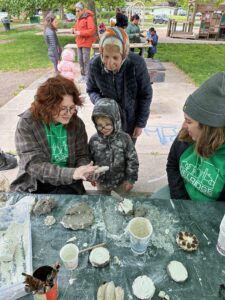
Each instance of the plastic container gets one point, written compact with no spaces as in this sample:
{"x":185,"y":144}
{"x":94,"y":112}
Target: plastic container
{"x":140,"y":231}
{"x":11,"y":279}
{"x":69,"y":255}
{"x":221,"y":239}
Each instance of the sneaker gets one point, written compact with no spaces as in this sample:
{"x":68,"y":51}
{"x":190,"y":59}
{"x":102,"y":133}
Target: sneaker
{"x":7,"y":161}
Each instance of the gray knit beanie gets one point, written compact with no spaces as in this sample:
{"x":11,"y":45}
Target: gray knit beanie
{"x":80,"y":5}
{"x":207,"y":104}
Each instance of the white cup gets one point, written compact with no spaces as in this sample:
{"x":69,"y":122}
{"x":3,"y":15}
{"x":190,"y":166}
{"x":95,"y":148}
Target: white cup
{"x":69,"y":255}
{"x":140,"y":231}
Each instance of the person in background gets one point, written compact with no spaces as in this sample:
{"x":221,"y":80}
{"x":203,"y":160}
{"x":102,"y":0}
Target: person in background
{"x":51,"y":39}
{"x":196,"y":164}
{"x":152,"y":38}
{"x":121,"y":18}
{"x":123,"y":76}
{"x":51,"y":142}
{"x":66,"y":66}
{"x":7,"y":161}
{"x":112,"y":147}
{"x":85,"y":34}
{"x":101,"y":28}
{"x":134,"y":32}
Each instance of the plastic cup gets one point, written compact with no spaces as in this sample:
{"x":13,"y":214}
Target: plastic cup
{"x":69,"y":255}
{"x":140,"y":231}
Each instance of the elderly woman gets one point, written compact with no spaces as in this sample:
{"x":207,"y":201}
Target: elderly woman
{"x":51,"y":142}
{"x":51,"y":39}
{"x":123,"y":76}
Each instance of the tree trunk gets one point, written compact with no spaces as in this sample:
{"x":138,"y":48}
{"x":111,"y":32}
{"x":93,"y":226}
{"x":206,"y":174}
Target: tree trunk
{"x":91,"y":6}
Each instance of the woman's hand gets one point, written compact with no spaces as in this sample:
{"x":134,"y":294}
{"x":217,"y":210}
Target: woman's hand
{"x":83,"y":172}
{"x":127,"y":186}
{"x":137,"y":132}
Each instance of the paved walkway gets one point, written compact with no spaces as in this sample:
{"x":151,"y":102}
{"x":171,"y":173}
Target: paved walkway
{"x":152,"y":147}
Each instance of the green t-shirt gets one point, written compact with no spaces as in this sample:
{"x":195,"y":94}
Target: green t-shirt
{"x":204,"y":178}
{"x":57,"y":140}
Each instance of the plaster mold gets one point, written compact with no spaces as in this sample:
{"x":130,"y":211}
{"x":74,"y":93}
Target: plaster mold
{"x":108,"y":291}
{"x":44,"y":206}
{"x":49,"y":220}
{"x":125,"y":207}
{"x":99,"y":257}
{"x":78,"y":216}
{"x":143,"y":287}
{"x":187,"y":241}
{"x":177,"y":271}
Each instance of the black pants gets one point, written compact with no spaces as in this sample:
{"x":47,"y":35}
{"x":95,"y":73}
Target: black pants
{"x":75,"y":188}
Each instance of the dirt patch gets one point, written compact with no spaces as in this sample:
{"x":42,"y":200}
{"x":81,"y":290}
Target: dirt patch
{"x":6,"y":41}
{"x":11,"y":83}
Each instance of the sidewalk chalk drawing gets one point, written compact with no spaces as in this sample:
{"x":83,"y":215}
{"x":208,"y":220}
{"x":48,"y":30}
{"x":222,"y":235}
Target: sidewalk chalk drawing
{"x":166,"y":133}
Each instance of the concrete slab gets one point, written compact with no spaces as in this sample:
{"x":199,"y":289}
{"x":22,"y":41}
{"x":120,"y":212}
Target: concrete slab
{"x":164,"y":122}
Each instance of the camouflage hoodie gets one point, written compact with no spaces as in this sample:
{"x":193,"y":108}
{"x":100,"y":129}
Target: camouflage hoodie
{"x":116,"y":151}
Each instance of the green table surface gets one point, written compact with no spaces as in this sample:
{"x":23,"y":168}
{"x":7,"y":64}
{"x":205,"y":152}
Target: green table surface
{"x":206,"y":267}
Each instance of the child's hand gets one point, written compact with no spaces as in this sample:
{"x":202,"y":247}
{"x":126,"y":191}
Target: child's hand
{"x":127,"y":186}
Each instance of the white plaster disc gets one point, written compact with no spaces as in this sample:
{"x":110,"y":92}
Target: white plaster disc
{"x":99,"y":257}
{"x":177,"y":271}
{"x":143,"y":287}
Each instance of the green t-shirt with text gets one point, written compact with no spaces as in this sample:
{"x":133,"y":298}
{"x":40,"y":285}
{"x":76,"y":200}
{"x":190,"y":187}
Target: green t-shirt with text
{"x":204,"y":178}
{"x":57,"y":140}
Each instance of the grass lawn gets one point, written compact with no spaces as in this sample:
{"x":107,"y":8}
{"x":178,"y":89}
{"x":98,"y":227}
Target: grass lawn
{"x":197,"y":61}
{"x":26,"y":50}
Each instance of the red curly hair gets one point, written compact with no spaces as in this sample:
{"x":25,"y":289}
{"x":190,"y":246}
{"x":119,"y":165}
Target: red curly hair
{"x":49,"y":96}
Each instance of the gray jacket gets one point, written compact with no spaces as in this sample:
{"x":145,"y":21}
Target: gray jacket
{"x":54,"y":48}
{"x":35,"y":154}
{"x":116,"y":151}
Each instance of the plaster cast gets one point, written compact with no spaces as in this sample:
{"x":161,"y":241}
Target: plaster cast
{"x":143,"y":287}
{"x":99,"y":257}
{"x":78,"y":216}
{"x":177,"y":271}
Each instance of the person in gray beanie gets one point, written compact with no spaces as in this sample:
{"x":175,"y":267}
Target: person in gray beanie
{"x":196,"y":164}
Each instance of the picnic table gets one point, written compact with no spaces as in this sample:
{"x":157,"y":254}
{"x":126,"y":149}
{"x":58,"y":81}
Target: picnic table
{"x":95,"y":47}
{"x":205,"y":266}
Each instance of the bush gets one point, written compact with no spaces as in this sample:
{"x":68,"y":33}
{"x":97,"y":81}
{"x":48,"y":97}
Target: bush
{"x":106,"y":14}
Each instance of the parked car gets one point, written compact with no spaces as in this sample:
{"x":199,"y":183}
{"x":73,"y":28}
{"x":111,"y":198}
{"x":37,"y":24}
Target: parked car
{"x":181,"y":12}
{"x":70,"y":17}
{"x":198,"y":14}
{"x":160,"y":19}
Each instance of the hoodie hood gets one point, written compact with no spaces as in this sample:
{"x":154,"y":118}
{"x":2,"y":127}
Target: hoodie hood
{"x":68,"y":55}
{"x":106,"y":107}
{"x":86,"y":14}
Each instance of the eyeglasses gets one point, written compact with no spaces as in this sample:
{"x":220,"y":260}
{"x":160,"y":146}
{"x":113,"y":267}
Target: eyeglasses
{"x":67,"y":110}
{"x":107,"y":127}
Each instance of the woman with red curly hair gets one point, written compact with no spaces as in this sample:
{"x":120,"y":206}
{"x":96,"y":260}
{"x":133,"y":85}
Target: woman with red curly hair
{"x":51,"y":142}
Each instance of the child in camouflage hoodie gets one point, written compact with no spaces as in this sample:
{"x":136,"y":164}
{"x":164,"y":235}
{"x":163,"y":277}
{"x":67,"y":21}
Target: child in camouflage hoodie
{"x":112,"y":147}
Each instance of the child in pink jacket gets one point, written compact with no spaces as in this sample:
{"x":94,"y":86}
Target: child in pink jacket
{"x":66,"y":66}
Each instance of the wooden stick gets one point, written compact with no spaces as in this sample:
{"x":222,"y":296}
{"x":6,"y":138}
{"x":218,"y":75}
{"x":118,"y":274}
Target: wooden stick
{"x":92,"y":247}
